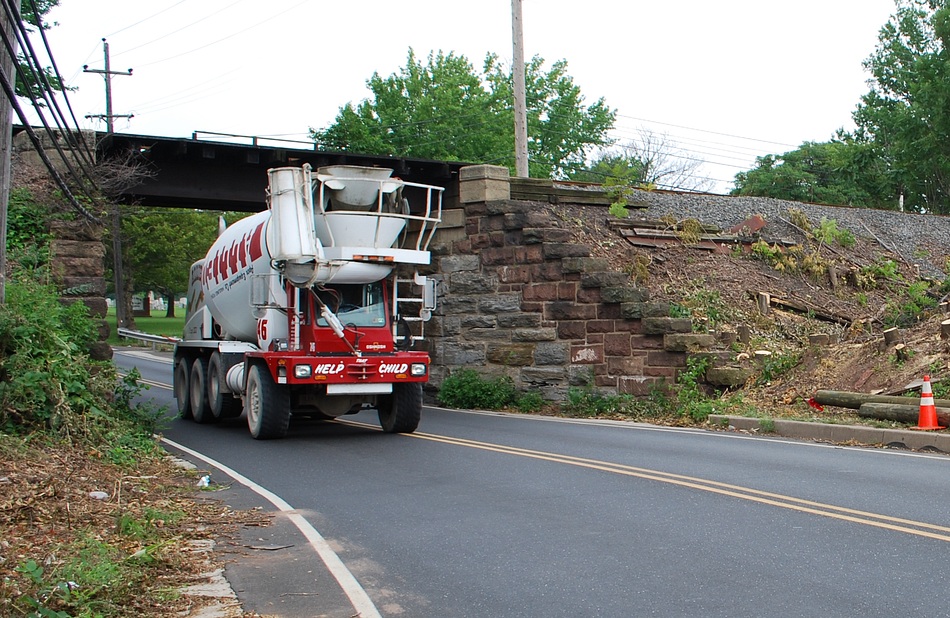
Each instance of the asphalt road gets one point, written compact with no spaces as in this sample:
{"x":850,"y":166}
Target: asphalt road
{"x":484,"y":514}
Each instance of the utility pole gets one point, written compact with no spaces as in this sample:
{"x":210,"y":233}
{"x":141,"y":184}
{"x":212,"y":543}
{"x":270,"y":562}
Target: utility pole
{"x":9,"y":19}
{"x":107,"y":73}
{"x":521,"y":114}
{"x":121,"y":315}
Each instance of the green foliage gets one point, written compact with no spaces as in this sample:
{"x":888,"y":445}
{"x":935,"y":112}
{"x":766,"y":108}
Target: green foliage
{"x":93,"y":579}
{"x":907,"y":309}
{"x":586,"y":401}
{"x":470,"y":390}
{"x":691,"y":401}
{"x":841,"y":171}
{"x":48,"y":383}
{"x":904,"y":116}
{"x":162,"y":244}
{"x":767,"y":425}
{"x":619,"y":210}
{"x":778,"y":365}
{"x":882,"y":271}
{"x":828,"y":233}
{"x":529,"y":402}
{"x":446,"y":110}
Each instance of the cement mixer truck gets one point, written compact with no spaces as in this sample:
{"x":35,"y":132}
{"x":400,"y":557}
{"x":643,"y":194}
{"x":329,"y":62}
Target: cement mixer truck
{"x":307,"y":309}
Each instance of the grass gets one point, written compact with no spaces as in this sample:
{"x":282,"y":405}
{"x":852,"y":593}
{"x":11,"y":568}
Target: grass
{"x":158,"y":324}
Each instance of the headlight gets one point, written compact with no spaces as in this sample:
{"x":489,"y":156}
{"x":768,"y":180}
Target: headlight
{"x":417,"y":369}
{"x":302,"y":371}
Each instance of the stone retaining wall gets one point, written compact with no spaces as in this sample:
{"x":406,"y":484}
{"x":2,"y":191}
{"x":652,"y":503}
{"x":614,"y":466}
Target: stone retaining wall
{"x":519,"y":298}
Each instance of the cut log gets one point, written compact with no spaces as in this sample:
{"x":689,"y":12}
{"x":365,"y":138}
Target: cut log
{"x":744,"y":333}
{"x":763,"y":302}
{"x":900,"y":413}
{"x":902,"y":352}
{"x":845,"y":399}
{"x":819,"y":339}
{"x":945,"y":329}
{"x":891,"y":335}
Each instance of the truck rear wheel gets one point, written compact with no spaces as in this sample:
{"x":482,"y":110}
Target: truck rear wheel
{"x":182,"y":394}
{"x":401,"y":411}
{"x":267,"y":404}
{"x":223,"y":404}
{"x":197,"y":387}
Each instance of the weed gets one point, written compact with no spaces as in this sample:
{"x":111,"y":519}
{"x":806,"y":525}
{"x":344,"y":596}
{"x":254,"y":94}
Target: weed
{"x":778,"y":365}
{"x":470,"y":390}
{"x":528,"y":402}
{"x":619,"y":210}
{"x":767,"y":425}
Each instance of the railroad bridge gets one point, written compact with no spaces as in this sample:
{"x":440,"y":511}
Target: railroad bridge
{"x":518,"y":297}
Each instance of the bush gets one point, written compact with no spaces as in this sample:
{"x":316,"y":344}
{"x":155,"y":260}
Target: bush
{"x":49,"y":383}
{"x":470,"y":390}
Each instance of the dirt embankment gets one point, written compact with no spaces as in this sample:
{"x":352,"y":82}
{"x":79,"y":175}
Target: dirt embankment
{"x":846,"y":273}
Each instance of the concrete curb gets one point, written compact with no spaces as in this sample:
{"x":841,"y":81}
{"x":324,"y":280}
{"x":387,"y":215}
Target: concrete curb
{"x":851,"y":434}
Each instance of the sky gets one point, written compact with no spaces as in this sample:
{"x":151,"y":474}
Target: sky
{"x":723,"y":82}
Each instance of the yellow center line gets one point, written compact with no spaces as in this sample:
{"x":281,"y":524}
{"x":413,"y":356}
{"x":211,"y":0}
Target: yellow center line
{"x":876,"y":520}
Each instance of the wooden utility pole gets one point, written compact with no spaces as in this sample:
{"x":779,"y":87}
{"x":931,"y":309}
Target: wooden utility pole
{"x":121,"y":314}
{"x":107,"y":73}
{"x":521,"y":113}
{"x":9,"y":19}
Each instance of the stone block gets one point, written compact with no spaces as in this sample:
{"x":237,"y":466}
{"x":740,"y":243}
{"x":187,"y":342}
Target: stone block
{"x":559,"y":250}
{"x":600,"y":279}
{"x":727,"y":376}
{"x":77,"y":248}
{"x":688,"y":342}
{"x":540,"y":291}
{"x":551,"y":353}
{"x":483,"y":183}
{"x":452,"y":218}
{"x":83,"y":286}
{"x":571,"y":329}
{"x":477,"y":321}
{"x":566,"y":310}
{"x":455,"y":263}
{"x":514,"y":274}
{"x":541,"y":376}
{"x":584,"y":264}
{"x":460,"y":354}
{"x":658,"y":358}
{"x":617,"y":344}
{"x":500,"y":303}
{"x":534,"y":334}
{"x":587,"y":354}
{"x":512,"y":355}
{"x":625,"y":365}
{"x":624,"y":294}
{"x":662,"y":326}
{"x":486,"y":334}
{"x":469,"y":282}
{"x":638,"y":310}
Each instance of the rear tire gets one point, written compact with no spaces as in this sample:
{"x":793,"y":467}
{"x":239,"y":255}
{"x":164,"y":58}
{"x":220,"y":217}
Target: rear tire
{"x":180,"y":383}
{"x":223,"y":404}
{"x":401,"y":411}
{"x":197,"y":387}
{"x":267,"y":405}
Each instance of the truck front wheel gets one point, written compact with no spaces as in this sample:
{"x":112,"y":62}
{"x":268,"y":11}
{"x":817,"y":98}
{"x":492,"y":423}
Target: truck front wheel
{"x":401,"y":411}
{"x":267,"y":405}
{"x":182,"y":393}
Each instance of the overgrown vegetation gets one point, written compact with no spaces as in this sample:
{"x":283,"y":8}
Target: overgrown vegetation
{"x":471,"y":390}
{"x":68,"y":424}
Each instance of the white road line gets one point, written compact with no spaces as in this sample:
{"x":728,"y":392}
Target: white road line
{"x":354,"y":591}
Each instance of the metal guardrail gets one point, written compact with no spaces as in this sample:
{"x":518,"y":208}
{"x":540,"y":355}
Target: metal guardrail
{"x":153,"y":339}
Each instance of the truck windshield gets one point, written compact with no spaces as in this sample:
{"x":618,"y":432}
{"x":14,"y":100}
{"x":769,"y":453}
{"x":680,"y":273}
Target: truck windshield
{"x":357,"y":305}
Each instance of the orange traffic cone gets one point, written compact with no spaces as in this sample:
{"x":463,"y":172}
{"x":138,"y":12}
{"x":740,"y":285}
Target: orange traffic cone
{"x":928,"y":411}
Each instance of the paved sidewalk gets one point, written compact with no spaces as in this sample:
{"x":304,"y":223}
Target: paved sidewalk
{"x":839,"y":434}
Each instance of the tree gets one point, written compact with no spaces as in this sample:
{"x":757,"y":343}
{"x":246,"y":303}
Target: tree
{"x":650,"y":160}
{"x":162,"y":244}
{"x":841,"y":171}
{"x":28,"y":83}
{"x":905,"y":116}
{"x":446,"y":110}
